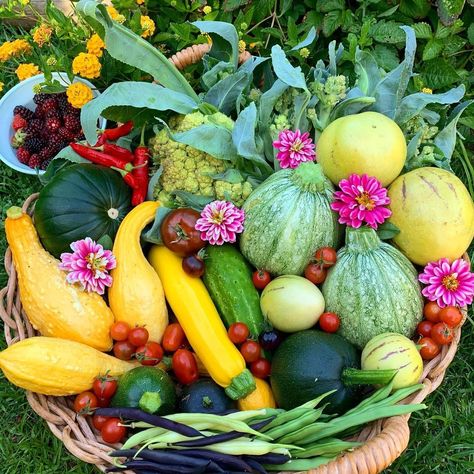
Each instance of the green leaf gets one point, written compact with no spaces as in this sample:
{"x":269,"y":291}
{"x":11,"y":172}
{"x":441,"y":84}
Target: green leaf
{"x":387,"y":231}
{"x":141,"y":95}
{"x":389,"y":12}
{"x":310,"y":38}
{"x":415,"y":8}
{"x":285,"y":71}
{"x":331,"y":22}
{"x":153,"y":234}
{"x":325,"y":6}
{"x":449,"y":10}
{"x":367,"y":71}
{"x":268,"y":100}
{"x":387,"y":32}
{"x":224,"y":93}
{"x":211,"y":77}
{"x":106,"y":242}
{"x":386,"y":56}
{"x":231,"y":5}
{"x":350,"y":106}
{"x":422,"y":30}
{"x":192,"y":200}
{"x":470,"y":33}
{"x":432,"y":49}
{"x":438,"y":73}
{"x":455,"y":44}
{"x":231,"y":176}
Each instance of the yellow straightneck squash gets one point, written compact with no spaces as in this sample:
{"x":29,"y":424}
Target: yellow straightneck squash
{"x":136,"y":295}
{"x":59,"y":367}
{"x":261,"y":397}
{"x":435,"y":214}
{"x":54,"y":307}
{"x":192,"y":305}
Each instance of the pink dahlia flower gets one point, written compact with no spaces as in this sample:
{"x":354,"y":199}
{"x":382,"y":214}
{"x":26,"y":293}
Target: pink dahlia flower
{"x":220,"y":222}
{"x":294,"y":148}
{"x":88,"y":265}
{"x":449,"y":284}
{"x":362,"y":199}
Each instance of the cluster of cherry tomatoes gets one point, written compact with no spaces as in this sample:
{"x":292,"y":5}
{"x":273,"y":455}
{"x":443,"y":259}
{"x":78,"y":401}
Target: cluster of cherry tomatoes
{"x":437,"y":328}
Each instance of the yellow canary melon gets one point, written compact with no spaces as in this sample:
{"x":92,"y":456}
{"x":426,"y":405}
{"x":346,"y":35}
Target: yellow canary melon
{"x":435,"y":214}
{"x":367,"y":143}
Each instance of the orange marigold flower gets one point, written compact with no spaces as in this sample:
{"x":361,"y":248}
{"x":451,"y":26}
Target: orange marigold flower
{"x":20,"y":46}
{"x":78,"y":94}
{"x":42,"y":35}
{"x":26,"y":70}
{"x":86,"y":65}
{"x":95,"y":45}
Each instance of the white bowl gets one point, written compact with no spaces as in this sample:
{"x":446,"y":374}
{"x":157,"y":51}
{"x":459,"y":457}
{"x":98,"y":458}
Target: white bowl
{"x":22,"y":94}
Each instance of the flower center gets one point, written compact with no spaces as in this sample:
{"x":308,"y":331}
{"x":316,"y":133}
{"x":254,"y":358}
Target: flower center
{"x":95,"y":263}
{"x":297,"y":145}
{"x":365,"y":200}
{"x":217,"y":217}
{"x":450,"y":282}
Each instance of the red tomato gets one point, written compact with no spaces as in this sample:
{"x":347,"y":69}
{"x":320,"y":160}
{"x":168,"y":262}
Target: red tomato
{"x":123,"y":350}
{"x":99,"y":421}
{"x":238,"y":333}
{"x":315,"y":273}
{"x":185,"y":366}
{"x":431,"y":311}
{"x":112,"y":432}
{"x":104,"y":387}
{"x":138,"y":336}
{"x":329,"y":322}
{"x":103,"y":402}
{"x":120,"y":331}
{"x":261,"y":279}
{"x":149,"y":354}
{"x":173,"y":337}
{"x":261,"y":368}
{"x":424,"y":328}
{"x":193,"y":265}
{"x":442,"y":334}
{"x":429,"y":349}
{"x":326,"y":257}
{"x":178,"y":232}
{"x":251,"y":351}
{"x":84,"y":402}
{"x":450,"y":315}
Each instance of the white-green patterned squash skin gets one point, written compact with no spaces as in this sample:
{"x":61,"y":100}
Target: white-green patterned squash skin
{"x":373,"y":288}
{"x":287,"y":218}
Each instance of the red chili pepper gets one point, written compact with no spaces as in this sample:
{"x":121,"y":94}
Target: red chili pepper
{"x":116,"y":151}
{"x":140,"y":171}
{"x":117,"y":132}
{"x":128,"y":177}
{"x":97,"y":157}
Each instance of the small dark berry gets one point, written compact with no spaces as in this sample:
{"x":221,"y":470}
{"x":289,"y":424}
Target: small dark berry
{"x":23,"y":155}
{"x":53,"y":124}
{"x":23,"y":112}
{"x":34,"y":161}
{"x":34,"y":144}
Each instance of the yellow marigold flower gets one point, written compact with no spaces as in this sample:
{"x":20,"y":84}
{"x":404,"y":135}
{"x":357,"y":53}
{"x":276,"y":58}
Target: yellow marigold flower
{"x":148,"y":26}
{"x":86,"y":65}
{"x":51,"y":61}
{"x":5,"y":51}
{"x":114,"y":14}
{"x":95,"y":45}
{"x":242,"y":46}
{"x":26,"y":70}
{"x":304,"y":52}
{"x":42,"y":35}
{"x":78,"y":94}
{"x":427,"y":90}
{"x":1,"y":86}
{"x":140,"y":2}
{"x":20,"y":46}
{"x":207,"y":9}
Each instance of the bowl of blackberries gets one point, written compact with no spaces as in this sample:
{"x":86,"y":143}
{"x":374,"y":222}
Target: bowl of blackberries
{"x":35,"y":127}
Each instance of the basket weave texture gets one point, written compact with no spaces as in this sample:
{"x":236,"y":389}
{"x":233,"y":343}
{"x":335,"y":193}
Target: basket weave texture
{"x":384,"y":440}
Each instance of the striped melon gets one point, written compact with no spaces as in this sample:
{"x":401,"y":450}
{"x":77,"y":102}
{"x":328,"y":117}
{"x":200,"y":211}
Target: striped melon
{"x":373,"y":288}
{"x":287,"y":218}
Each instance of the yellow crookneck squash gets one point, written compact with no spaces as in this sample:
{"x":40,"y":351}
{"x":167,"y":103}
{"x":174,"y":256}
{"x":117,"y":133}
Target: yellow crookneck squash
{"x":198,"y":316}
{"x":261,"y":397}
{"x":136,"y":295}
{"x":54,"y":307}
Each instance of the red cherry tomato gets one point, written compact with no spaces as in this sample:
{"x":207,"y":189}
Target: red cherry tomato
{"x":325,"y":256}
{"x":315,"y":273}
{"x":261,"y":368}
{"x":193,"y":265}
{"x":173,"y":337}
{"x":99,"y":421}
{"x":103,"y":402}
{"x":431,"y":311}
{"x":185,"y":366}
{"x":123,"y":350}
{"x":329,"y":322}
{"x":120,"y":331}
{"x":112,"y":432}
{"x":238,"y":333}
{"x":251,"y":351}
{"x":450,"y":315}
{"x":442,"y":334}
{"x":178,"y":232}
{"x":85,"y":402}
{"x":261,"y":279}
{"x":149,"y":354}
{"x":104,"y":387}
{"x":424,"y":328}
{"x":138,"y":336}
{"x":429,"y":349}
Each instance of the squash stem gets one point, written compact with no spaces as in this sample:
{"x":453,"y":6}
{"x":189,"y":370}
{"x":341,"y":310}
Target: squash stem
{"x":362,"y":239}
{"x":14,"y":212}
{"x":241,"y":385}
{"x":150,"y":402}
{"x":367,"y":377}
{"x":309,"y":177}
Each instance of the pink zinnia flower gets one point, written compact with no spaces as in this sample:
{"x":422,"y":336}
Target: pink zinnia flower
{"x":449,"y":284}
{"x":294,"y":148}
{"x":220,"y":221}
{"x":89,"y":265}
{"x":361,"y":200}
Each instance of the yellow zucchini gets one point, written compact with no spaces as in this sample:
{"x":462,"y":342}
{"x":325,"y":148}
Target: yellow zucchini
{"x":54,"y":307}
{"x":136,"y":295}
{"x":59,"y":367}
{"x":192,"y":305}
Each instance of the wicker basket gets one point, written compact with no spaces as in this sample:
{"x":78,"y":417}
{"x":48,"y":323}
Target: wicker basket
{"x":384,"y":440}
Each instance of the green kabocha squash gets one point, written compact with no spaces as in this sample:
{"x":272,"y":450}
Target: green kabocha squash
{"x":373,"y":288}
{"x":84,"y":200}
{"x":287,"y":218}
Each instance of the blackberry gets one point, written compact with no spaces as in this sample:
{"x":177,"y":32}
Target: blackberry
{"x":53,"y":113}
{"x":35,"y":127}
{"x":46,"y":153}
{"x":23,"y":112}
{"x":23,"y":155}
{"x":72,"y":122}
{"x":53,"y":124}
{"x":34,"y":161}
{"x":34,"y":144}
{"x":67,"y":135}
{"x":40,"y":98}
{"x":39,"y":111}
{"x":50,"y":105}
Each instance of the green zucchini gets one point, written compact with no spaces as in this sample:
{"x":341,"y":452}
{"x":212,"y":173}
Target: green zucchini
{"x":228,"y":278}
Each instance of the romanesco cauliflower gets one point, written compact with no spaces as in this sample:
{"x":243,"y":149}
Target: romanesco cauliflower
{"x":332,"y":91}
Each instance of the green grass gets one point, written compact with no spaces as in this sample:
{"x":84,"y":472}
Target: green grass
{"x":442,"y":436}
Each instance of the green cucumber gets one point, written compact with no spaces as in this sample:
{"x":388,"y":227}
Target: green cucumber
{"x":228,"y":278}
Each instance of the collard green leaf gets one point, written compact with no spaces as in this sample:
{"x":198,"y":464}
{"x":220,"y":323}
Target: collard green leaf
{"x":367,"y":71}
{"x":412,"y":147}
{"x":192,"y":200}
{"x":432,"y":49}
{"x":449,"y":10}
{"x":438,"y":73}
{"x":268,"y":100}
{"x":231,"y":176}
{"x":251,"y":64}
{"x":243,"y":134}
{"x":141,"y":95}
{"x":351,"y":106}
{"x":387,"y":231}
{"x":310,"y":38}
{"x":334,"y":56}
{"x":287,"y":73}
{"x":224,"y":93}
{"x":153,"y":234}
{"x":211,"y":77}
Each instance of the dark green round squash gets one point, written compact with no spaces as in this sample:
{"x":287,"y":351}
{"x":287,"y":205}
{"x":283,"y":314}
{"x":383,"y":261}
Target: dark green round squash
{"x":84,"y":200}
{"x":205,"y":396}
